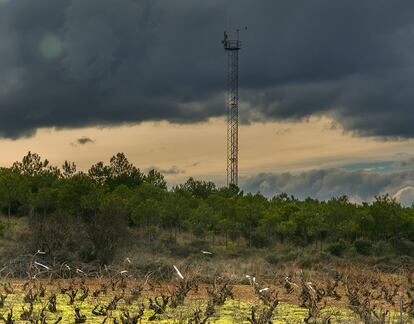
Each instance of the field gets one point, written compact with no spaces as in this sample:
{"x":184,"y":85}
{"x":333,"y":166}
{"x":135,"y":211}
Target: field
{"x":65,"y":295}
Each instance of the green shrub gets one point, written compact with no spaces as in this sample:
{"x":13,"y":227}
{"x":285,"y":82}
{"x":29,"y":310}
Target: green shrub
{"x":86,"y":252}
{"x":234,"y":252}
{"x":159,"y":268}
{"x":282,"y":257}
{"x":403,"y":247}
{"x":314,"y":259}
{"x":260,"y":240}
{"x":363,"y":247}
{"x":167,"y":241}
{"x":181,"y":250}
{"x":3,"y":227}
{"x":199,"y":244}
{"x":381,"y":248}
{"x":338,"y":249}
{"x":199,"y":231}
{"x":274,"y":259}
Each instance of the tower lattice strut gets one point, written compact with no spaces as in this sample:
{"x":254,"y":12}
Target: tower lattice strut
{"x":232,"y":48}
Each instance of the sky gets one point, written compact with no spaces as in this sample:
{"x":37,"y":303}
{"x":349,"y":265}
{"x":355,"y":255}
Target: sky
{"x":325,"y":90}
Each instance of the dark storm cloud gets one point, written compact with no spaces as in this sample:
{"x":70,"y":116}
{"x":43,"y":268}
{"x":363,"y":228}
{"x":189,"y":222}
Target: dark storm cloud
{"x":73,"y":63}
{"x":85,"y":140}
{"x":359,"y":185}
{"x":174,"y":170}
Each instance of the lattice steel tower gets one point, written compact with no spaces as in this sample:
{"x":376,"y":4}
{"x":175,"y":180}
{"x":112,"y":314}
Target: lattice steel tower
{"x":232,"y":48}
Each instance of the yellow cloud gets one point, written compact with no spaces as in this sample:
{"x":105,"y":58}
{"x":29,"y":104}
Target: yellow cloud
{"x":264,"y":147}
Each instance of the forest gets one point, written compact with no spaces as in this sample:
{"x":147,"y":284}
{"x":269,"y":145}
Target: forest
{"x":88,"y":216}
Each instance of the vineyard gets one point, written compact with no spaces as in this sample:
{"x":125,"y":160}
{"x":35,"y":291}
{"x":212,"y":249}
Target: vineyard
{"x":67,"y":294}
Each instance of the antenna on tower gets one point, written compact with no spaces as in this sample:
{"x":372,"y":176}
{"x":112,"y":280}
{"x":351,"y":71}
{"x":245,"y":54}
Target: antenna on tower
{"x":232,"y":48}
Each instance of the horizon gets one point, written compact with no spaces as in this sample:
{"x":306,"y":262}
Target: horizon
{"x":403,"y":196}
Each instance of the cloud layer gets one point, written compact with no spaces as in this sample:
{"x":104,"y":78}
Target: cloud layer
{"x":73,"y":63}
{"x":324,"y":184}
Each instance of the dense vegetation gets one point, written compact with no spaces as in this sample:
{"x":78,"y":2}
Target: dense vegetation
{"x":88,"y":216}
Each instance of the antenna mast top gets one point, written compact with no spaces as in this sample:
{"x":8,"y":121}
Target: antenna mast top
{"x":234,"y":44}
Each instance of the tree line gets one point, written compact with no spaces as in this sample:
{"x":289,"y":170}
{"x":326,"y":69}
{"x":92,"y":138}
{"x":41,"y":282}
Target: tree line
{"x":112,"y":198}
